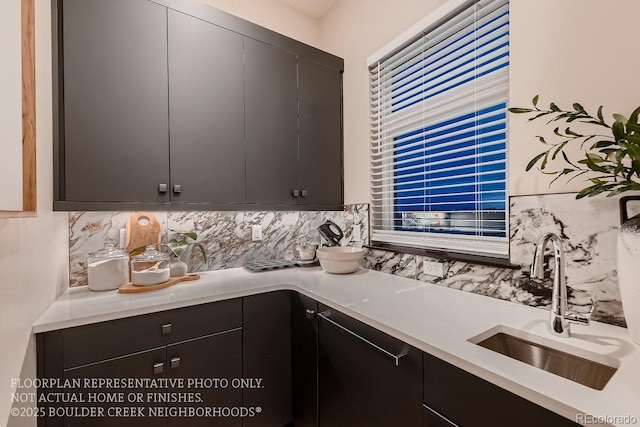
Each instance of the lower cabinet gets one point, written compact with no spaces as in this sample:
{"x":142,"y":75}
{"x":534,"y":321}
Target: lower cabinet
{"x":202,"y":342}
{"x":453,"y":396}
{"x":266,"y":323}
{"x":366,"y":378}
{"x":287,"y":359}
{"x":304,"y":360}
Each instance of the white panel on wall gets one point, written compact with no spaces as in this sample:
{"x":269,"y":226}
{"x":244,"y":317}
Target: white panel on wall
{"x":10,"y":107}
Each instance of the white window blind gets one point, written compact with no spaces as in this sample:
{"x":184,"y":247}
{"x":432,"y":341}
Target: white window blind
{"x":439,"y":133}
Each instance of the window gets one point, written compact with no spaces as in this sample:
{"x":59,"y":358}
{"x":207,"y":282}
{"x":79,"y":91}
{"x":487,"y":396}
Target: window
{"x":439,"y":132}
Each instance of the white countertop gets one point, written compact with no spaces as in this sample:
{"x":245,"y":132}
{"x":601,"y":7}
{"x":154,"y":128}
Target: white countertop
{"x":432,"y":318}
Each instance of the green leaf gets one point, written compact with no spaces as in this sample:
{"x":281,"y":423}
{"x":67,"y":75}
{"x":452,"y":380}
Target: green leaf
{"x":558,"y":150}
{"x":190,"y":234}
{"x":633,"y":118}
{"x":534,"y":101}
{"x":554,"y":107}
{"x":202,"y":251}
{"x":600,"y":116}
{"x":620,"y":118}
{"x":566,"y":159}
{"x":568,"y":131}
{"x":595,"y":158}
{"x":518,"y":110}
{"x":578,"y":107}
{"x":544,"y":161}
{"x":534,"y":161}
{"x":602,"y":144}
{"x":584,"y":192}
{"x":634,"y":127}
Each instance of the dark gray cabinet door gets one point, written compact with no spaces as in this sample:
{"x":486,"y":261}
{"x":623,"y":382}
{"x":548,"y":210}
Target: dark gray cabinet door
{"x":271,"y":124}
{"x":267,"y":356}
{"x":320,"y":93}
{"x":115,"y":100}
{"x":139,"y":365}
{"x":467,"y":400}
{"x":214,"y":357}
{"x":304,"y":360}
{"x":360,"y":384}
{"x":206,"y":108}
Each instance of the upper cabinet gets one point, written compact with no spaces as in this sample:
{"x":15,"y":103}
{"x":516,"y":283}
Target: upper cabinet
{"x":271,"y":102}
{"x":206,"y":107}
{"x":176,"y":105}
{"x":320,"y":129}
{"x":114,"y":117}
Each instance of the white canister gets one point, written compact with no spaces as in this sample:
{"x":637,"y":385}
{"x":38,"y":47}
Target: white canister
{"x":150,"y":267}
{"x":108,"y":268}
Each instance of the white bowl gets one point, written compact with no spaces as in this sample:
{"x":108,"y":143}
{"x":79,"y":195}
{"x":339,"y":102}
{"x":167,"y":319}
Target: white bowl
{"x":340,"y":260}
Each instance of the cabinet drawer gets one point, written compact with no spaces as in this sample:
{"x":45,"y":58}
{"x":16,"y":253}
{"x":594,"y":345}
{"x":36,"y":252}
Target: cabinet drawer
{"x":467,"y":400}
{"x":100,"y":341}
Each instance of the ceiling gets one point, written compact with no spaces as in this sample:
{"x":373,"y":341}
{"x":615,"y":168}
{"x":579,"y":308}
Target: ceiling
{"x":313,"y":8}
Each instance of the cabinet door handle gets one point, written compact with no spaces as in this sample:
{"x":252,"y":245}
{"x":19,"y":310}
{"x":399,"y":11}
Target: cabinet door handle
{"x":175,"y":363}
{"x":440,"y":415}
{"x":166,"y":329}
{"x":310,"y":313}
{"x":303,"y":193}
{"x":396,"y":357}
{"x":162,"y":188}
{"x":158,"y":368}
{"x":177,"y":188}
{"x":296,"y":193}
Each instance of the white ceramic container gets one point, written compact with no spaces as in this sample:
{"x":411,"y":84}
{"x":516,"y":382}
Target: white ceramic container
{"x":340,"y":259}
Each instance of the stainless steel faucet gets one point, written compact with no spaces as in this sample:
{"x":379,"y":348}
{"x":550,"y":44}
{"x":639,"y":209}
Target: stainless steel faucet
{"x":560,"y":317}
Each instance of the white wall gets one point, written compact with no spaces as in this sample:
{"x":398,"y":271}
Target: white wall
{"x":275,"y":15}
{"x":33,"y":251}
{"x":567,"y":51}
{"x":10,"y":107}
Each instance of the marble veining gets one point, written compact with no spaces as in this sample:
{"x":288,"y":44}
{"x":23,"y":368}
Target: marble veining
{"x":225,"y":235}
{"x":588,"y":228}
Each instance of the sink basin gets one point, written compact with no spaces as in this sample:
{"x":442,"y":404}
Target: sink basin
{"x":584,"y":367}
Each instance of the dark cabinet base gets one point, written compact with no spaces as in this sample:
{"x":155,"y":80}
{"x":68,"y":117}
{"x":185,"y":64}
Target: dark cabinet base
{"x":302,"y":363}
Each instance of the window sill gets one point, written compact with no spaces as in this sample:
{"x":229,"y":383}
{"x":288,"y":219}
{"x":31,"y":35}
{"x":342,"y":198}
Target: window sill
{"x":445,"y":255}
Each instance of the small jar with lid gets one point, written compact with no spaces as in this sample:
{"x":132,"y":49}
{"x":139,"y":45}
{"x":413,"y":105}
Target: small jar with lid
{"x":108,"y":268}
{"x":150,"y":267}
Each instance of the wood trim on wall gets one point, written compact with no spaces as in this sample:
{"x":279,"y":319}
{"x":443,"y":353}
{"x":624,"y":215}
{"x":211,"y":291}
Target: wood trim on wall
{"x":28,"y":46}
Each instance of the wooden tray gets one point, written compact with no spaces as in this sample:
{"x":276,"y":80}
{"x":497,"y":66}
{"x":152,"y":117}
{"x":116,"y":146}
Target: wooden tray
{"x":130,"y":288}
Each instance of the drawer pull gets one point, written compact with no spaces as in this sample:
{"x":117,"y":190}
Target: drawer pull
{"x":440,"y":415}
{"x":158,"y":368}
{"x":166,"y":329}
{"x":325,"y":316}
{"x":310,"y":313}
{"x":175,"y":363}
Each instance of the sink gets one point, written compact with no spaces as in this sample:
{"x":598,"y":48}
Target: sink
{"x":590,"y":369}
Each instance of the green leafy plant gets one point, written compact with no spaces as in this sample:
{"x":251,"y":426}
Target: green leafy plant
{"x":612,"y":157}
{"x":182,"y":241}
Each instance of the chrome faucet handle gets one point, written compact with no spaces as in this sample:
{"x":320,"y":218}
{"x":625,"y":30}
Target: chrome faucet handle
{"x":581,"y":318}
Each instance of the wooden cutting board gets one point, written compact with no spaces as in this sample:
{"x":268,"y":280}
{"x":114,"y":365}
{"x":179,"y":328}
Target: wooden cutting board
{"x":130,"y":288}
{"x":142,"y":229}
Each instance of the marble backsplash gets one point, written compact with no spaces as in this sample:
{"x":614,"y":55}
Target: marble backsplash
{"x":588,"y":228}
{"x":226,"y":235}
